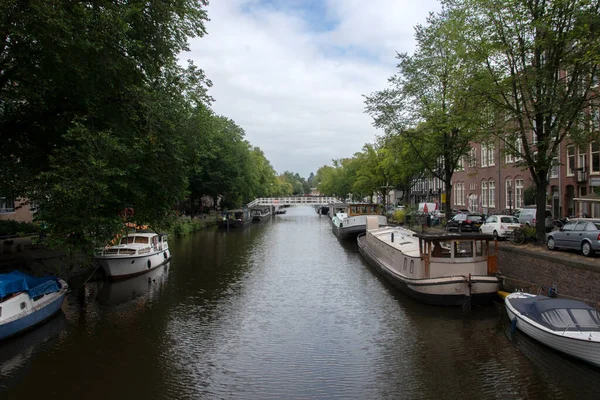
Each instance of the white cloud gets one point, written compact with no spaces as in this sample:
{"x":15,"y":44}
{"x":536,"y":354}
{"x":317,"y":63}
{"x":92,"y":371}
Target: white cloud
{"x":294,"y":83}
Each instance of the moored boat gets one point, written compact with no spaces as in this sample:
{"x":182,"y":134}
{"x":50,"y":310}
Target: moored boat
{"x":135,"y":254}
{"x":569,"y":326}
{"x":240,"y":218}
{"x":442,"y":269}
{"x":260,"y":214}
{"x":352,"y":220}
{"x":26,"y":301}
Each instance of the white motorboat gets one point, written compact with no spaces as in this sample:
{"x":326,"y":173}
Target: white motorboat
{"x":352,"y":220}
{"x":26,"y":301}
{"x":135,"y":254}
{"x":569,"y":326}
{"x":442,"y":269}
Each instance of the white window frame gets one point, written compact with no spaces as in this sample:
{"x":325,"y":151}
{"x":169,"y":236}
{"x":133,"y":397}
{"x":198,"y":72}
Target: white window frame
{"x":508,"y":184}
{"x":554,"y":168}
{"x":519,"y":148}
{"x":571,"y":156}
{"x":491,"y":152}
{"x":518,"y":193}
{"x":595,"y":154}
{"x":473,"y":157}
{"x":492,"y":192}
{"x":484,"y":194}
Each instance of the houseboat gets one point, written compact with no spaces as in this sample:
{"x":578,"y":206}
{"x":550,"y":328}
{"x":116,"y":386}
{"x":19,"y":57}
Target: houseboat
{"x":240,"y":218}
{"x":442,"y":269}
{"x":351,"y":220}
{"x":260,"y":214}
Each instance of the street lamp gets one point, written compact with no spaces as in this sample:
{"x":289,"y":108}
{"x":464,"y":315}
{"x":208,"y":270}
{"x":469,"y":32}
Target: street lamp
{"x":509,"y":197}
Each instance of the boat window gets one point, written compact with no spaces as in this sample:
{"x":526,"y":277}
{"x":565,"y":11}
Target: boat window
{"x":141,"y":239}
{"x":144,"y":250}
{"x":559,"y":319}
{"x":127,"y":240}
{"x":23,"y":305}
{"x":405,"y":262}
{"x":0,"y":311}
{"x":412,"y":266}
{"x":440,"y":250}
{"x":480,"y":248}
{"x":111,"y":251}
{"x":587,"y":318}
{"x":463,"y":249}
{"x":127,"y":251}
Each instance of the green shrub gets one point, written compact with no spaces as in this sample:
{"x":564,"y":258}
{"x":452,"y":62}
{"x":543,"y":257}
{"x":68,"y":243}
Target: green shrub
{"x":399,"y":216}
{"x":10,"y":227}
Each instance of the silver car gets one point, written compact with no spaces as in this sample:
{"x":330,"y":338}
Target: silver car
{"x":579,"y":234}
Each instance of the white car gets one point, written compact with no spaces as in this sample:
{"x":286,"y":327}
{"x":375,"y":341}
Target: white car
{"x":501,"y":226}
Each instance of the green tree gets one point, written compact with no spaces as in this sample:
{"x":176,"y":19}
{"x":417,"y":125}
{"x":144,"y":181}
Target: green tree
{"x":93,"y":109}
{"x":429,"y":101}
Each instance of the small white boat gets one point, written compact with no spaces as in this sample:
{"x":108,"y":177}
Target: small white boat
{"x":135,"y":254}
{"x":26,"y":301}
{"x":443,"y":269}
{"x":569,"y":326}
{"x":352,"y":220}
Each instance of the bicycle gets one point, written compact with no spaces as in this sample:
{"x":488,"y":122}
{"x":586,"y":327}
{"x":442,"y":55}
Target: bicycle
{"x":518,"y":236}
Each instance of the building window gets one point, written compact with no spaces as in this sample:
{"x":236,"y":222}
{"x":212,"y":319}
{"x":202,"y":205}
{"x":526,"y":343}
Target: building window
{"x":554,"y":170}
{"x":484,"y":194}
{"x":473,"y":157}
{"x":519,"y":149}
{"x":570,"y":160}
{"x":491,"y":160}
{"x":471,"y":186}
{"x":595,"y":157}
{"x":484,"y":155}
{"x":7,"y":205}
{"x":508,"y":190}
{"x":518,"y":193}
{"x":492,"y":193}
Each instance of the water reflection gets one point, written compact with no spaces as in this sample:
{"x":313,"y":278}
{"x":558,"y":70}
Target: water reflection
{"x":16,"y":353}
{"x":147,"y":285}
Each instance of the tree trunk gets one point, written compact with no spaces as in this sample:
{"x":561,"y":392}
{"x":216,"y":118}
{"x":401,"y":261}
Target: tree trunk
{"x":448,"y":202}
{"x":540,"y":215}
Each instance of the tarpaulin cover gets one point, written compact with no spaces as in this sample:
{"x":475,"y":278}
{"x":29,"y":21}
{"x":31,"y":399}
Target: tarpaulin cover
{"x":16,"y":281}
{"x":558,"y":313}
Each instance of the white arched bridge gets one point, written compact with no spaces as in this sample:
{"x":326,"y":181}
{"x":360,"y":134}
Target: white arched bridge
{"x":291,"y":200}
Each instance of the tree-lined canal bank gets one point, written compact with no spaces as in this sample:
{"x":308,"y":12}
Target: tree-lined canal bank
{"x":282,"y":309}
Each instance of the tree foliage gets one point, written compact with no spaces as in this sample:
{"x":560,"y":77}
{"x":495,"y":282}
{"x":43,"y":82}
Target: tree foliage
{"x":539,"y":66}
{"x":428,"y":102}
{"x":98,"y":115}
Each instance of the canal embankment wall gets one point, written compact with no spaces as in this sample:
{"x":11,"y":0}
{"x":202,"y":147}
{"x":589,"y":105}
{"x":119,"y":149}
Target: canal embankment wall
{"x":537,"y":270}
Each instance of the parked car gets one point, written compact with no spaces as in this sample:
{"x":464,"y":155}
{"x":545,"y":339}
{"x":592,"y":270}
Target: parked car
{"x":578,"y":234}
{"x":465,"y":222}
{"x":527,"y":217}
{"x":501,"y":226}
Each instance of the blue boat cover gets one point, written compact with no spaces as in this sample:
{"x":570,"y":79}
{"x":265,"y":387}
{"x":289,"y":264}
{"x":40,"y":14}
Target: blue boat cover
{"x":16,"y":281}
{"x":558,"y":314}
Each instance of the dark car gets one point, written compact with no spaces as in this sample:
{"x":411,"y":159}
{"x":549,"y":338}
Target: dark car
{"x":465,"y":222}
{"x":578,"y":234}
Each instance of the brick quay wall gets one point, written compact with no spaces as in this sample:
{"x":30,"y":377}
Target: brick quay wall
{"x":535,"y":269}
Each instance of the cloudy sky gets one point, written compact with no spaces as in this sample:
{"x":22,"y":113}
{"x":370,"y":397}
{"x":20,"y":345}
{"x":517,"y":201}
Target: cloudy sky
{"x":292,"y":72}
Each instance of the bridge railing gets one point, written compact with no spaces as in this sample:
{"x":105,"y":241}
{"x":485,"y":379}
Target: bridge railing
{"x":291,"y":200}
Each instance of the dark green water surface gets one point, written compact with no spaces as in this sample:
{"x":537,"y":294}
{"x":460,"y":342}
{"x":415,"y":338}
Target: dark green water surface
{"x":281,"y":310}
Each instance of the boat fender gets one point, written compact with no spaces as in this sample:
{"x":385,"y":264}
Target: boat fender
{"x":513,"y":325}
{"x":392,"y":236}
{"x":149,"y":264}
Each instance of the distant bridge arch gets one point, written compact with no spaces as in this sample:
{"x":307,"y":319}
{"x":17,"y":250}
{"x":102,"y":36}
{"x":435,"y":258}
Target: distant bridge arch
{"x":291,"y":200}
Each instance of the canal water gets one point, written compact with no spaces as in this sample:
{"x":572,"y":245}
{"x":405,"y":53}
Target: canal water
{"x":281,"y":310}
